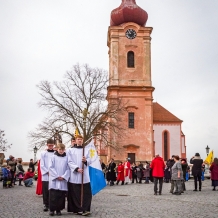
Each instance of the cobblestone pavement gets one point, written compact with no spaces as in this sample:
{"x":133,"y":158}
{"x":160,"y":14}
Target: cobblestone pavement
{"x":133,"y":200}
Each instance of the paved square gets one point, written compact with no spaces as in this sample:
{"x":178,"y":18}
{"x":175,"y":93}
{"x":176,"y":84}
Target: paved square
{"x":133,"y":200}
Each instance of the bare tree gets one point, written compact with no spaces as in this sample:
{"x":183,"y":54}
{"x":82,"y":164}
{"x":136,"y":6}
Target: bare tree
{"x":3,"y":142}
{"x":79,"y":100}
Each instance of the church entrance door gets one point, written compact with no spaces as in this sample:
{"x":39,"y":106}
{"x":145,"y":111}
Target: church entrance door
{"x":131,"y":156}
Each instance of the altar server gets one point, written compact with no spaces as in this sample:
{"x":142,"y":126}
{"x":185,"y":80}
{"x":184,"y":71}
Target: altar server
{"x":58,"y":177}
{"x":44,"y":166}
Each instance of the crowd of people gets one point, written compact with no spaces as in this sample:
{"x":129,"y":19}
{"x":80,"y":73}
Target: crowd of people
{"x":13,"y":171}
{"x":61,"y":172}
{"x":175,"y":171}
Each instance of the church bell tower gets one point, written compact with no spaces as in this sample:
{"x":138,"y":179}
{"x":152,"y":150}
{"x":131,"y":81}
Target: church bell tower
{"x":129,"y":43}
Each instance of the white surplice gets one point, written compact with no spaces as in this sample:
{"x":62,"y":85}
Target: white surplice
{"x":58,"y":168}
{"x":44,"y":164}
{"x":75,"y":161}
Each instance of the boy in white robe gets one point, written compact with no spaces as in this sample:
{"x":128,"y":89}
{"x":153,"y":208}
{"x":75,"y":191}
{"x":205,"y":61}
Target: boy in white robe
{"x":44,"y":166}
{"x":58,"y":177}
{"x":76,"y":160}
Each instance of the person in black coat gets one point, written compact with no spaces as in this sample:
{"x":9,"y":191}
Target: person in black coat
{"x":169,"y":165}
{"x":112,"y":172}
{"x":197,"y":170}
{"x":32,"y":165}
{"x":103,"y":167}
{"x":134,"y":175}
{"x":184,"y":170}
{"x":167,"y":174}
{"x":139,"y":172}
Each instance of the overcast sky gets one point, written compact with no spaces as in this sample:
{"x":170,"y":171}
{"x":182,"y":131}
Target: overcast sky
{"x":42,"y":39}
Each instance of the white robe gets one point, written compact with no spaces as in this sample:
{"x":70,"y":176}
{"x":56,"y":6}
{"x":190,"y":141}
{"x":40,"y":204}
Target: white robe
{"x":75,"y":161}
{"x":44,"y":164}
{"x":58,"y":168}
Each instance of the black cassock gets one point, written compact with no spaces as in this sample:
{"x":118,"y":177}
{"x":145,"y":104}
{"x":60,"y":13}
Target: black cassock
{"x":57,"y":200}
{"x":74,"y":197}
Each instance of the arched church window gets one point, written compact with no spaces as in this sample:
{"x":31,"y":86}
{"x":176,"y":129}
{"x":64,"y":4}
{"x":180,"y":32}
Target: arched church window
{"x":166,"y":145}
{"x":130,"y":59}
{"x":131,"y":120}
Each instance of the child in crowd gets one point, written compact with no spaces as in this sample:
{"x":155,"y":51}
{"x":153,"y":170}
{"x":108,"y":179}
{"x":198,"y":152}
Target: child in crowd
{"x":8,"y":183}
{"x":19,"y":172}
{"x":58,"y":177}
{"x":5,"y":175}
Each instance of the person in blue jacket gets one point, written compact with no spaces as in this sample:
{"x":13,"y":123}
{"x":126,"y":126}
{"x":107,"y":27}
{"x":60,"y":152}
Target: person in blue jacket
{"x":5,"y":175}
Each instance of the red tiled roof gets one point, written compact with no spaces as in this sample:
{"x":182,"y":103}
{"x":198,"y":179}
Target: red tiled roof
{"x":160,"y":114}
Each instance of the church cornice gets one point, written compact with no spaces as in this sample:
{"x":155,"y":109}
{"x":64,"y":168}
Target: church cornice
{"x":116,"y":32}
{"x":132,"y":88}
{"x":128,"y":107}
{"x":167,"y":123}
{"x":131,"y":145}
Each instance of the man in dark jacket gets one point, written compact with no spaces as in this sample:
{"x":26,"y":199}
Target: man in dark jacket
{"x":32,"y":165}
{"x":197,"y":170}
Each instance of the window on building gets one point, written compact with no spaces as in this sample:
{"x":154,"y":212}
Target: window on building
{"x":130,"y":59}
{"x":131,"y":120}
{"x":165,"y":145}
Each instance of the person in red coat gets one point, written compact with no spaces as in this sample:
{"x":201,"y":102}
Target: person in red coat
{"x":39,"y":181}
{"x":120,"y":173}
{"x":127,"y":171}
{"x":214,"y":173}
{"x":157,"y":166}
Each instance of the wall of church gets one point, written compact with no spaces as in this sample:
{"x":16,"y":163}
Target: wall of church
{"x":183,"y":145}
{"x":174,"y":143}
{"x":183,"y":155}
{"x":137,"y":140}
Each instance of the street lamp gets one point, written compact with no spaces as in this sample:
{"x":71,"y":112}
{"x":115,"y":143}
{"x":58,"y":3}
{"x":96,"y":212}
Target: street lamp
{"x":35,"y":149}
{"x":207,"y":150}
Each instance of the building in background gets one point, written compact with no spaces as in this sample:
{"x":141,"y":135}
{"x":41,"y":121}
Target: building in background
{"x":150,"y":128}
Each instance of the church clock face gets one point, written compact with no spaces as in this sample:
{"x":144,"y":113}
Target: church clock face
{"x":131,"y":34}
